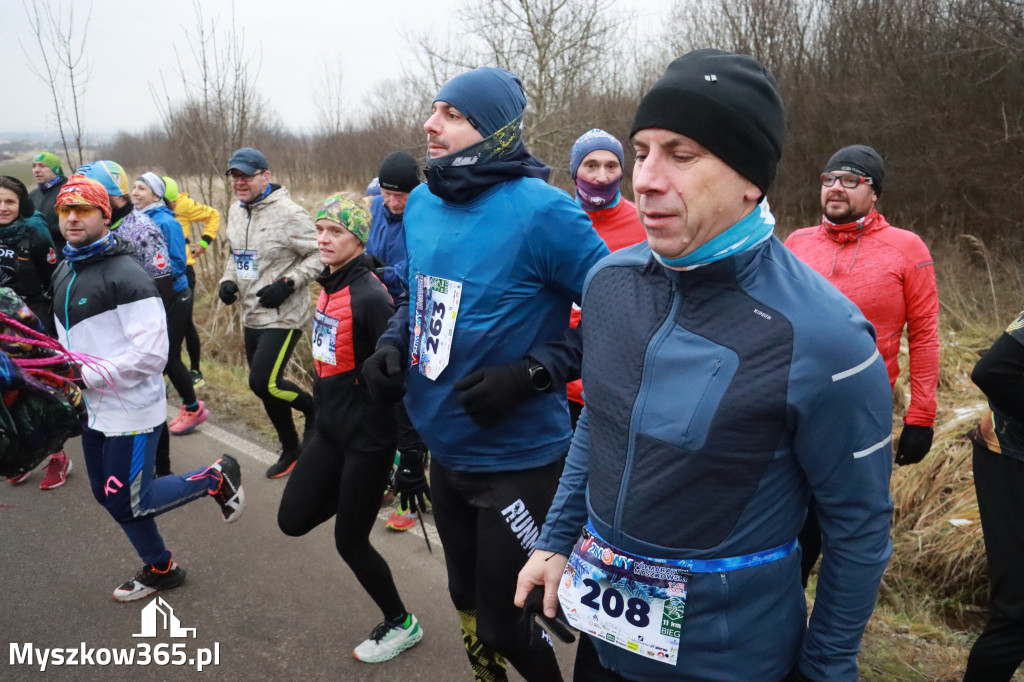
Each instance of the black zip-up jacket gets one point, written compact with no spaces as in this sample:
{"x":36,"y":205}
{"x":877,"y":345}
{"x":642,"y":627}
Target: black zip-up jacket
{"x":356,"y":306}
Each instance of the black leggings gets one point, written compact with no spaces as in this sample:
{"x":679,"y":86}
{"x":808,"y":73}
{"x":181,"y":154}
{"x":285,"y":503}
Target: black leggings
{"x":191,"y":333}
{"x":331,"y":481}
{"x":179,"y":316}
{"x":999,"y":482}
{"x":488,"y":523}
{"x":268,"y":351}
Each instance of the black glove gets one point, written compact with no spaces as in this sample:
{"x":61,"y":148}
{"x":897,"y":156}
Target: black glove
{"x":489,"y":394}
{"x":915,"y":442}
{"x":228,"y":292}
{"x":410,"y":481}
{"x":533,"y":615}
{"x":273,"y":295}
{"x":383,"y":375}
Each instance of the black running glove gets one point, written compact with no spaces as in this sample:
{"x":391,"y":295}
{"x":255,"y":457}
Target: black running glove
{"x":489,"y":394}
{"x":228,"y":292}
{"x":533,"y":615}
{"x":273,"y":295}
{"x":383,"y":375}
{"x":915,"y":442}
{"x":411,"y":481}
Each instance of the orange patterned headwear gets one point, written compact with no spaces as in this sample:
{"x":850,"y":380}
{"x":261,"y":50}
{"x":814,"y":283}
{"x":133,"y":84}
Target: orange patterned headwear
{"x":81,"y":190}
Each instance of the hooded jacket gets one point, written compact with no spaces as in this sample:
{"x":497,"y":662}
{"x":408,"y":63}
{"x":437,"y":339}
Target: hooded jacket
{"x":108,"y":307}
{"x":284,"y":237}
{"x":889,"y":274}
{"x":387,"y":244}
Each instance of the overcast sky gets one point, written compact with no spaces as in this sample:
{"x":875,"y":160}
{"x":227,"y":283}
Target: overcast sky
{"x":131,"y":45}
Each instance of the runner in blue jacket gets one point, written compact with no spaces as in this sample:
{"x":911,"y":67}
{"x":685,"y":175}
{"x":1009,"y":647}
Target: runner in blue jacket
{"x":726,"y":382}
{"x":496,"y":257}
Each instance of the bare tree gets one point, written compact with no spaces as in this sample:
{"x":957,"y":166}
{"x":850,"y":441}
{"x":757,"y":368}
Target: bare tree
{"x":221,"y":111}
{"x":565,"y":52}
{"x":329,"y":98}
{"x":63,"y":68}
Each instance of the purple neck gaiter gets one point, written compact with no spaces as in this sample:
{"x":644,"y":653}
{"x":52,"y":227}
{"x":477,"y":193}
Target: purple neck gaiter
{"x":594,"y":197}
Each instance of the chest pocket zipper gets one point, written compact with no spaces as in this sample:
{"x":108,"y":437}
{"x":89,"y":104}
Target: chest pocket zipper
{"x":700,"y":402}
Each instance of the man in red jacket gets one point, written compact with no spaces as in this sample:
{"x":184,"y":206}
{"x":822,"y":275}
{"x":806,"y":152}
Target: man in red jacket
{"x":888,"y":273}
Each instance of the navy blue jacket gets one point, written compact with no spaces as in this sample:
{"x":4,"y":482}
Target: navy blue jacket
{"x":717,"y":401}
{"x":387,"y":244}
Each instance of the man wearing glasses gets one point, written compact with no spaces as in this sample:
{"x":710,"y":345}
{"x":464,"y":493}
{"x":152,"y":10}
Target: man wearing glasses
{"x":888,"y":273}
{"x":273,"y":256}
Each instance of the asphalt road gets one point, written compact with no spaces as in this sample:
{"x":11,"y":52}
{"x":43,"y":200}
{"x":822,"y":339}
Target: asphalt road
{"x":270,"y":607}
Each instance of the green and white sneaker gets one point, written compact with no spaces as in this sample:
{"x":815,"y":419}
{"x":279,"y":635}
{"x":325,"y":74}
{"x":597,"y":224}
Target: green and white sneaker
{"x":388,"y":640}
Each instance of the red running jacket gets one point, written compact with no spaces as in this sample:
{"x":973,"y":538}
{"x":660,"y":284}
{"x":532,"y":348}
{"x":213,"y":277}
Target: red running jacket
{"x":889,"y":274}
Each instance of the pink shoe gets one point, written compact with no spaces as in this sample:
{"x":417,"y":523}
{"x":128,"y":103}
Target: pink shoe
{"x":57,"y":470}
{"x":177,"y":418}
{"x":188,"y":421}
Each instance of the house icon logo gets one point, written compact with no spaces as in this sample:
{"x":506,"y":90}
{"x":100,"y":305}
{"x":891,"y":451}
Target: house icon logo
{"x":159,"y":616}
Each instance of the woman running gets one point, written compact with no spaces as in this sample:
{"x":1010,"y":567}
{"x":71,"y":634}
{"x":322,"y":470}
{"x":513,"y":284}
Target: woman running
{"x":344,"y":466}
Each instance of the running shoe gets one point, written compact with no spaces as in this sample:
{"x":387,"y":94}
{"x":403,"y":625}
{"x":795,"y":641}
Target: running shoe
{"x":401,"y":520}
{"x":57,"y":470}
{"x":284,"y":464}
{"x":230,"y":494}
{"x":20,"y":478}
{"x":177,"y":417}
{"x":189,"y":420}
{"x":388,"y":640}
{"x":149,"y":580}
{"x":197,"y":378}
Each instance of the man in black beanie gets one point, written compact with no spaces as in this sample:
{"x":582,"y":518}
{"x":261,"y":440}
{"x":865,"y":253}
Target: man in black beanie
{"x":889,"y":274}
{"x":725,"y":383}
{"x":399,"y":174}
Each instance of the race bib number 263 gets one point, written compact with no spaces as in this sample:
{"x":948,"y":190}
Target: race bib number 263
{"x":437,"y":307}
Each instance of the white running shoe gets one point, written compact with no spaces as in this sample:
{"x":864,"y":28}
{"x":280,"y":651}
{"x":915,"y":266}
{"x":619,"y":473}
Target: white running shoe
{"x":388,"y":640}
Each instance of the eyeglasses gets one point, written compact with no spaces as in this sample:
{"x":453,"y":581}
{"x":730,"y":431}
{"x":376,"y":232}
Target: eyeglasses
{"x":847,"y":181}
{"x":235,"y":177}
{"x":81,"y":210}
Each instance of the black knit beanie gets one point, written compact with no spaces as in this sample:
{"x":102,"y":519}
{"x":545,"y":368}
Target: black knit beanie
{"x":728,"y":103}
{"x":399,"y":172}
{"x":862,"y":160}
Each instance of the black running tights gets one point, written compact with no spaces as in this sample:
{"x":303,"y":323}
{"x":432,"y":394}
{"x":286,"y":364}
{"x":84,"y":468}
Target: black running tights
{"x":329,"y":480}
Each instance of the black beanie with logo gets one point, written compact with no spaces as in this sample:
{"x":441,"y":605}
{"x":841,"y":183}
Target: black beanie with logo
{"x":399,"y":172}
{"x":862,"y":160}
{"x":727,"y":102}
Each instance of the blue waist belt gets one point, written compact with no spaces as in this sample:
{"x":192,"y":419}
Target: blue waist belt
{"x":724,"y":565}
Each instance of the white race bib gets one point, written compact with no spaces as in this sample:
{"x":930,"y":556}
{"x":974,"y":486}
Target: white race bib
{"x":247,"y":263}
{"x":325,"y":335}
{"x":437,"y":306}
{"x":625,"y":600}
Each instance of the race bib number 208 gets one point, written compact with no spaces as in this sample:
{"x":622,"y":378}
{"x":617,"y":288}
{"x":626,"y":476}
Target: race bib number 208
{"x":624,"y":600}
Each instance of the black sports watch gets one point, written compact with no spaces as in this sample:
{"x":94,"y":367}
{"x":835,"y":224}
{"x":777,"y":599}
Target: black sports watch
{"x":539,"y":377}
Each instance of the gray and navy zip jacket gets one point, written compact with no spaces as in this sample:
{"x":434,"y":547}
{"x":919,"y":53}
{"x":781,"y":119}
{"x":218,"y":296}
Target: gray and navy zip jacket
{"x":108,"y":307}
{"x":717,"y":401}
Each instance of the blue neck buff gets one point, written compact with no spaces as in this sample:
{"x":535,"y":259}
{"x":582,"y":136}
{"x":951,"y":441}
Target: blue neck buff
{"x":749,"y":231}
{"x":51,"y":182}
{"x":99,"y":246}
{"x":466,"y":174}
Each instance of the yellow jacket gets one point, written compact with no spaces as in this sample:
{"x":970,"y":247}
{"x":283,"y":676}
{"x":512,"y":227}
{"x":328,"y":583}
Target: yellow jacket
{"x":187,"y":211}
